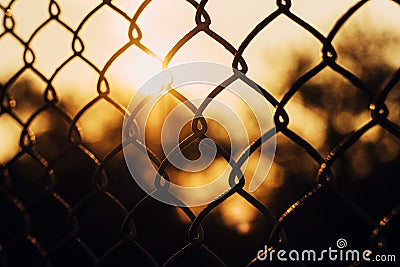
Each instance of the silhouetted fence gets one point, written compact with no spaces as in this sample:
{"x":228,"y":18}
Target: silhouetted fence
{"x":64,"y":204}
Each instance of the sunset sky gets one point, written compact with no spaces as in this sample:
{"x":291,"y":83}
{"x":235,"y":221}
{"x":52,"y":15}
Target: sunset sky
{"x":163,"y":23}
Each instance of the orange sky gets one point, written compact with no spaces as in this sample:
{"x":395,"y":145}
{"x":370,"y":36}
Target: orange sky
{"x":163,"y":23}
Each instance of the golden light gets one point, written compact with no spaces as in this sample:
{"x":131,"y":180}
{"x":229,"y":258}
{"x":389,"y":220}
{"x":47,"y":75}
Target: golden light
{"x":237,"y":214}
{"x":163,"y":23}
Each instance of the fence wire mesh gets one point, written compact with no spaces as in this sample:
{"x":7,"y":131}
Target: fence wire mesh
{"x":47,"y":190}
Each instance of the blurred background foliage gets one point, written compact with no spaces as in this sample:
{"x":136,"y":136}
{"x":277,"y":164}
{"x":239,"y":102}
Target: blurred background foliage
{"x":324,"y":111}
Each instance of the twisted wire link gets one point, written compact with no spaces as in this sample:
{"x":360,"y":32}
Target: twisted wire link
{"x":101,"y":181}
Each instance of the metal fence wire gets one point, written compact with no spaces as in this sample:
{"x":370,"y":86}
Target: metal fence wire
{"x":52,"y":216}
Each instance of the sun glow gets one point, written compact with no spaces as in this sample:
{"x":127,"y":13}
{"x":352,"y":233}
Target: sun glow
{"x":163,"y":23}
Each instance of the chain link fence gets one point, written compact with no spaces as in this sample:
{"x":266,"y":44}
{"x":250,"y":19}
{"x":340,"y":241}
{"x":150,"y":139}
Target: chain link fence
{"x":64,"y":203}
